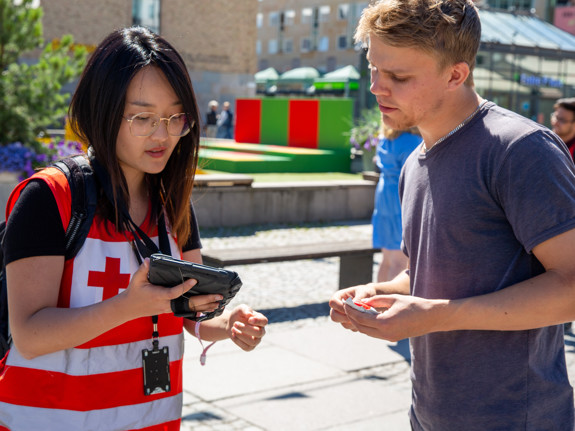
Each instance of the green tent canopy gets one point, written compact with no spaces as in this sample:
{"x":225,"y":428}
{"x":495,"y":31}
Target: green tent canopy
{"x":301,"y":74}
{"x":298,"y":80}
{"x":266,"y":80}
{"x":267,"y":75}
{"x":340,"y":79}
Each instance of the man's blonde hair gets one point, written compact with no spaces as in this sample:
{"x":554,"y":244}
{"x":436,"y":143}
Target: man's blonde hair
{"x":449,"y":30}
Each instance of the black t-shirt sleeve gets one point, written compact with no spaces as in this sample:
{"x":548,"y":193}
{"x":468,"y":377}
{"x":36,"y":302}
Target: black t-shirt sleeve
{"x":34,"y":227}
{"x":194,"y":242}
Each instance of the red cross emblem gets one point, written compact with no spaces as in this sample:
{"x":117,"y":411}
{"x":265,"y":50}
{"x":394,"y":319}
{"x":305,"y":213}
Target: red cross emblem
{"x":111,"y":280}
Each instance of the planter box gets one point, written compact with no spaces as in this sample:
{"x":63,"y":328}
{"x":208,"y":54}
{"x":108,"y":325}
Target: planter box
{"x":246,"y":203}
{"x":298,"y":202}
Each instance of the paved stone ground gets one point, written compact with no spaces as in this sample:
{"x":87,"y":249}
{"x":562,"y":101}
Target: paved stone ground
{"x":304,"y":286}
{"x":292,"y":295}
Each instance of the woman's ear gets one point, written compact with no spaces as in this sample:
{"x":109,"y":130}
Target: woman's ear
{"x":459,"y":73}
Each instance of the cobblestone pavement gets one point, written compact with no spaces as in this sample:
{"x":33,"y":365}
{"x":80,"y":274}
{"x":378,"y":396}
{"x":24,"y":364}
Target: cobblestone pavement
{"x":292,"y":295}
{"x":294,"y":290}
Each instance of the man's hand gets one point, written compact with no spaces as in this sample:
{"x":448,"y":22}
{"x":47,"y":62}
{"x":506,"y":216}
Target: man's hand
{"x":336,"y":302}
{"x":401,"y":316}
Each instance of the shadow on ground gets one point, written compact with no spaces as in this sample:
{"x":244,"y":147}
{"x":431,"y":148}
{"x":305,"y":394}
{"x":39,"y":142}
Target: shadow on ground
{"x":251,"y":230}
{"x":305,"y":311}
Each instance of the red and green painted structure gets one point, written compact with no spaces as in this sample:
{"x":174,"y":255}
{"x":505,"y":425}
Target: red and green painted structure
{"x":284,"y":135}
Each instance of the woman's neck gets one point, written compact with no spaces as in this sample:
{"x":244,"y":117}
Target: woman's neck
{"x":138,"y":198}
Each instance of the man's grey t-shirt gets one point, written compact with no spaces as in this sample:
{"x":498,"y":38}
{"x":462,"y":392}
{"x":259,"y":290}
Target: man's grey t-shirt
{"x":473,"y":209}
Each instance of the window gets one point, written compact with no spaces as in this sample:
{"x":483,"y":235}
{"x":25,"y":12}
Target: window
{"x":358,"y":9}
{"x":306,"y":15}
{"x":288,"y":45}
{"x":324,"y":12}
{"x":342,"y":42}
{"x":274,"y":19}
{"x":272,"y":46}
{"x":305,"y":44}
{"x":343,"y":11}
{"x":289,"y":17}
{"x":259,"y":20}
{"x":258,"y":47}
{"x":323,"y":45}
{"x":508,"y":4}
{"x":147,"y":14}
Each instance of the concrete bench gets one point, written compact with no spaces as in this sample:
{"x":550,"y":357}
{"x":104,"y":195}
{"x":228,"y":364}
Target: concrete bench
{"x":355,"y":267}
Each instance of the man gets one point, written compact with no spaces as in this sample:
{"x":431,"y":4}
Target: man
{"x":563,"y":122}
{"x":225,"y":122}
{"x":488,"y":207}
{"x":212,"y":119}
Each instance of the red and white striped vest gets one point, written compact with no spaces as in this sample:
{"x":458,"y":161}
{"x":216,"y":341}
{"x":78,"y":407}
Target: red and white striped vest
{"x":97,"y":385}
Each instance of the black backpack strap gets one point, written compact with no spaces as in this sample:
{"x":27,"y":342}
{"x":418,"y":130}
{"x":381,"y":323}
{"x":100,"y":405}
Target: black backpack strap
{"x":82,"y":183}
{"x":5,"y":338}
{"x":80,"y":176}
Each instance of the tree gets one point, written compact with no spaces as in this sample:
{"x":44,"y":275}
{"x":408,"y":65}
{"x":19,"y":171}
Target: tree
{"x":31,"y":97}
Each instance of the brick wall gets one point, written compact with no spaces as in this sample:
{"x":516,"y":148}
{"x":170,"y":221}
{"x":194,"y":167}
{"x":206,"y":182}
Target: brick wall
{"x":87,"y":20}
{"x":216,"y":40}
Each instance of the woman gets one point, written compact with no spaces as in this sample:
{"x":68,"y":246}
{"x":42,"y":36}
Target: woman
{"x":392,"y":150}
{"x":83,"y":328}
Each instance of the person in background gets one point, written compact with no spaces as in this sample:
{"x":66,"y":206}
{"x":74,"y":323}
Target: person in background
{"x":392,"y":150}
{"x":211,"y":126}
{"x":488,"y":213}
{"x":82,"y":328}
{"x":563,"y":122}
{"x":226,"y":122}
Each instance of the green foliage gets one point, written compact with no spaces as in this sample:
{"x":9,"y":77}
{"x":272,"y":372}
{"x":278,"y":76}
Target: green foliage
{"x":30,"y":94}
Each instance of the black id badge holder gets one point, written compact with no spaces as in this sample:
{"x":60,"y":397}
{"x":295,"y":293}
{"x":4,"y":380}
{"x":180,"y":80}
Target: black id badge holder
{"x":156,"y":365}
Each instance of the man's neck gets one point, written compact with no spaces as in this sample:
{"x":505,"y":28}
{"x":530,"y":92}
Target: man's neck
{"x":455,"y":113}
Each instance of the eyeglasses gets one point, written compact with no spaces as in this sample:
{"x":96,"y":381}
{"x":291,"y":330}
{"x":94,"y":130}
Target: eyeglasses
{"x":554,"y":117}
{"x":146,"y":123}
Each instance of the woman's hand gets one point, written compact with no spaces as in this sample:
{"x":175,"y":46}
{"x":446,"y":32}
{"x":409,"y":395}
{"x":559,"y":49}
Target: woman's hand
{"x":151,"y":299}
{"x":246,"y":327}
{"x":143,"y":298}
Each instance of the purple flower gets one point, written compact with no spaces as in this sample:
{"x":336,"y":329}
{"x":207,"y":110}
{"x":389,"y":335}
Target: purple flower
{"x":66,"y":149}
{"x":15,"y":157}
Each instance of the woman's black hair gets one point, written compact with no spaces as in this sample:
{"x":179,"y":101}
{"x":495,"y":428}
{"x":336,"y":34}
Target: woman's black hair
{"x":97,"y":108}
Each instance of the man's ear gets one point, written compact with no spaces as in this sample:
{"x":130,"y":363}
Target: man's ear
{"x":459,"y":73}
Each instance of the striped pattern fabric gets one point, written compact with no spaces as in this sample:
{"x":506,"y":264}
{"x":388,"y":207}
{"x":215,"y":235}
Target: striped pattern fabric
{"x":97,"y":385}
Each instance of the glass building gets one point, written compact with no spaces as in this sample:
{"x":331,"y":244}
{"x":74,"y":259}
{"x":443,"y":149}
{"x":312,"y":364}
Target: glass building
{"x":524,"y":63}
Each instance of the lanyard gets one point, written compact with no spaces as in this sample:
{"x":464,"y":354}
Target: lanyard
{"x":142,"y":245}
